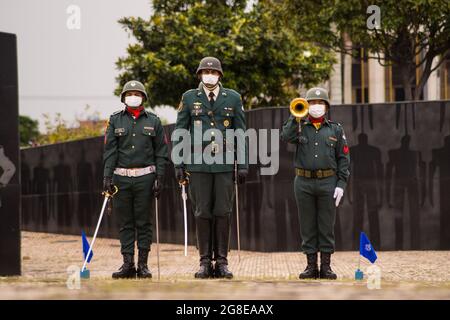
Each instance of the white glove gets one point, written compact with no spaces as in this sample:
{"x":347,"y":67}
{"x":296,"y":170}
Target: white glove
{"x":338,"y":193}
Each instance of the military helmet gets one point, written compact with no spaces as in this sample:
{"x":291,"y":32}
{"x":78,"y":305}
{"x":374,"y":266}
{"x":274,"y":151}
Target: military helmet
{"x":133,"y":85}
{"x":210,"y":63}
{"x":318,"y":94}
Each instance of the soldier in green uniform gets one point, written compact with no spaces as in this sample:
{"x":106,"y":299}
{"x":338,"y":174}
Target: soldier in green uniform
{"x":322,"y":168}
{"x":211,"y":106}
{"x":134,"y":158}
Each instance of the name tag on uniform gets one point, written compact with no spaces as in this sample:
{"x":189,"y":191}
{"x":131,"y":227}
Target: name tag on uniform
{"x":148,"y":131}
{"x":119,"y":130}
{"x":333,"y":139}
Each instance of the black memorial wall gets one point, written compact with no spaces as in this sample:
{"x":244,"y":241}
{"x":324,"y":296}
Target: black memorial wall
{"x":398,"y":191}
{"x":9,"y":158}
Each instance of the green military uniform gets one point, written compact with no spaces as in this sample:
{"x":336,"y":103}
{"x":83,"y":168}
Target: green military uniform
{"x":213,"y":180}
{"x":322,"y":164}
{"x":211,"y":187}
{"x":134,"y":143}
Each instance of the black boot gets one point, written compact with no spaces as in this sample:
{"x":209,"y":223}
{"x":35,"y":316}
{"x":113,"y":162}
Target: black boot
{"x":142,"y":269}
{"x":204,"y":244}
{"x":325,"y":268}
{"x":127,"y":270}
{"x":221,"y":247}
{"x":312,"y":269}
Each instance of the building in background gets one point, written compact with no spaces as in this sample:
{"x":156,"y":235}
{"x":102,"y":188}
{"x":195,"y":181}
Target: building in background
{"x":366,"y":80}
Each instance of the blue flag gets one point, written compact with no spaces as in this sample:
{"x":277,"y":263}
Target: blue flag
{"x":366,"y":249}
{"x":86,"y":247}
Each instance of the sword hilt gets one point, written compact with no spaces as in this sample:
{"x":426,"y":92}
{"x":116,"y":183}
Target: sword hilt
{"x":109,"y":194}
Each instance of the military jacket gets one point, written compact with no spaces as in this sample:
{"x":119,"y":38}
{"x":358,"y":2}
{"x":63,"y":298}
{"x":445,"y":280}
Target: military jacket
{"x":227,"y":112}
{"x":134,"y":143}
{"x":323,"y":148}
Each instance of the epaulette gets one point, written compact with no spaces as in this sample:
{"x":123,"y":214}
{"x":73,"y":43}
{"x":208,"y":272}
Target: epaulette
{"x":337,"y":123}
{"x":189,"y":91}
{"x":152,"y":113}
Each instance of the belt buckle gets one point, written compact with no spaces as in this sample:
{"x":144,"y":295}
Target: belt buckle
{"x":214,"y":147}
{"x":319,"y":174}
{"x":130,"y":173}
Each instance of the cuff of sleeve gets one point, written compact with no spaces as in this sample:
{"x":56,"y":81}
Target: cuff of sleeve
{"x":108,"y":172}
{"x":341,"y":184}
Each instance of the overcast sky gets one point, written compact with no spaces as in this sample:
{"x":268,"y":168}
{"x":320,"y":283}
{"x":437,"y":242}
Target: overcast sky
{"x":63,"y":70}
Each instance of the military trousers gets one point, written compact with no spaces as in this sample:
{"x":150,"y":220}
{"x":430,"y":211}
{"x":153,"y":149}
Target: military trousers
{"x":132,"y":206}
{"x":317,"y":213}
{"x":211,"y":194}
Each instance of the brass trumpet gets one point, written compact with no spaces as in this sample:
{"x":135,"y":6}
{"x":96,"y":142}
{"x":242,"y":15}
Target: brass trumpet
{"x":299,"y":108}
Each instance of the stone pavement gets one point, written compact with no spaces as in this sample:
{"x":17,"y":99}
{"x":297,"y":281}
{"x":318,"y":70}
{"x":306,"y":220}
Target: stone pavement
{"x":46,"y":257}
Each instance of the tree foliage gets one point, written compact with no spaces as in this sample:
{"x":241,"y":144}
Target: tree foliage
{"x":59,"y":130}
{"x":28,"y":130}
{"x":262,"y":60}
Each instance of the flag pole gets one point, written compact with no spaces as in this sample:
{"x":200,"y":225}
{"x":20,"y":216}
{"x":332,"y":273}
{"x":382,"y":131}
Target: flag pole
{"x":359,"y":261}
{"x":359,"y":275}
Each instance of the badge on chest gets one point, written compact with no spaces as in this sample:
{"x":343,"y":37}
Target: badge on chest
{"x":197,"y":108}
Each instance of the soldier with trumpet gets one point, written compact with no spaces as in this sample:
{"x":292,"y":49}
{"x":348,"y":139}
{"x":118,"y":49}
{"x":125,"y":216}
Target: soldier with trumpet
{"x":322,"y":168}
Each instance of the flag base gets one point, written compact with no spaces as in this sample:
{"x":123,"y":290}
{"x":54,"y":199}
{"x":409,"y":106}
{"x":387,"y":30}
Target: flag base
{"x":86,"y":274}
{"x":359,"y":275}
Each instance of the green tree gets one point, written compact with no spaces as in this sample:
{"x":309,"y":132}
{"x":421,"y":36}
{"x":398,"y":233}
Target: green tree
{"x":262,"y":60}
{"x":28,"y":130}
{"x":412,"y":33}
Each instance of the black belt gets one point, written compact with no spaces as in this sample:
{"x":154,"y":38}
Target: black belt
{"x":314,"y":174}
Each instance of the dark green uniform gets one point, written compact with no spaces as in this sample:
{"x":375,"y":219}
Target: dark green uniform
{"x":134,"y":143}
{"x":322,"y":149}
{"x":211,"y":187}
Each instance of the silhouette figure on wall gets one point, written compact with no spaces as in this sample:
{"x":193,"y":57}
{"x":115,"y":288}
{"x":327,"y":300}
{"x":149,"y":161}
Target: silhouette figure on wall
{"x":405,"y":176}
{"x":366,"y":185}
{"x":85,"y":187}
{"x":441,"y":160}
{"x":7,"y":170}
{"x":41,"y":189}
{"x":63,"y":188}
{"x":25,"y":182}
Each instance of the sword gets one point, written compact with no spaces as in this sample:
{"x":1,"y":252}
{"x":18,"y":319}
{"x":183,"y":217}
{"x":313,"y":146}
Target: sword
{"x":105,"y":201}
{"x":237,"y":212}
{"x":184,"y":197}
{"x":157,"y":237}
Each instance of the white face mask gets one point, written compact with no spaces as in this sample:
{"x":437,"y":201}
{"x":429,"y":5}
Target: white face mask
{"x":133,"y":101}
{"x":317,"y":110}
{"x":210,"y":80}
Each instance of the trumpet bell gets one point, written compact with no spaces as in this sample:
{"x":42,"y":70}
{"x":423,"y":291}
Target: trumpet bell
{"x":299,"y":107}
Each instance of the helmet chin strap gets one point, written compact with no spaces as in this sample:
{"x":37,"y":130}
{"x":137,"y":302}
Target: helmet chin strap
{"x":210,"y":87}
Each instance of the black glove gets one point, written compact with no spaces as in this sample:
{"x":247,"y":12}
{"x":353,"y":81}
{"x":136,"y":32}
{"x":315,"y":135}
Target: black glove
{"x":241,"y":175}
{"x":181,"y":175}
{"x":157,"y":186}
{"x":108,"y":185}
